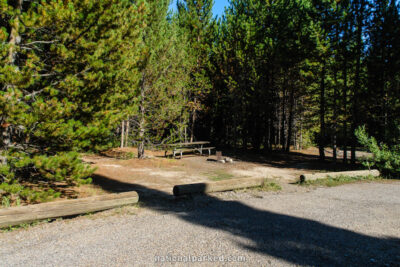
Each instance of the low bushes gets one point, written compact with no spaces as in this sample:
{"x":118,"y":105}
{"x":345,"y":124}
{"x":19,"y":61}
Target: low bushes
{"x":385,"y":158}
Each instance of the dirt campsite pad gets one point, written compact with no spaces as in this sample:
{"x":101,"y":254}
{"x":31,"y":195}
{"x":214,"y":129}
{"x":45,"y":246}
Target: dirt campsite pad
{"x":163,"y":173}
{"x":160,"y":173}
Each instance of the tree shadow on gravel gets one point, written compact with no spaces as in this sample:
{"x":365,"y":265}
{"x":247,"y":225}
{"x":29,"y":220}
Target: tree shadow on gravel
{"x":296,"y":240}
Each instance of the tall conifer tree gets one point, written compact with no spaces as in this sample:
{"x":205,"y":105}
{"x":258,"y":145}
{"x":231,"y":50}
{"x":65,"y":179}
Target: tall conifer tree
{"x":195,"y":16}
{"x":66,"y":67}
{"x":165,"y":67}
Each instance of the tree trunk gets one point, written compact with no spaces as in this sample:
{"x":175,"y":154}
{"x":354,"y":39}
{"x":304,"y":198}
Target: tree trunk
{"x":122,"y":133}
{"x":335,"y":96}
{"x":301,"y":136}
{"x":291,"y":120}
{"x":127,"y":128}
{"x":185,"y":134}
{"x":301,"y":127}
{"x":322,"y":115}
{"x":334,"y":134}
{"x":345,"y":100}
{"x":357,"y":83}
{"x":141,"y":139}
{"x":278,"y":129}
{"x":14,"y":35}
{"x":244,"y":132}
{"x":283,"y":119}
{"x":142,"y":120}
{"x":268,"y":139}
{"x":15,"y":39}
{"x":235,"y":123}
{"x":194,"y":117}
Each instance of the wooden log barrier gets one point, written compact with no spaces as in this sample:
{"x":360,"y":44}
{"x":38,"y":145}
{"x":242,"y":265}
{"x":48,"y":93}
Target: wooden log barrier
{"x":26,"y":214}
{"x":315,"y":176}
{"x":220,"y":186}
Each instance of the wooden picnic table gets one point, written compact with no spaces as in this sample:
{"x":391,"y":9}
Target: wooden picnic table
{"x":189,"y":143}
{"x":179,"y":148}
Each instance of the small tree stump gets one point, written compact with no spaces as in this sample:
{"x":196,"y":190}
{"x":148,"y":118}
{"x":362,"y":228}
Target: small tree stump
{"x":219,"y":155}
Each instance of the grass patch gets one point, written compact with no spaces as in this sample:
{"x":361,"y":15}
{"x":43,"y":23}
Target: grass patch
{"x":128,"y":155}
{"x":330,"y":181}
{"x":122,"y":155}
{"x":269,"y":186}
{"x":219,"y":176}
{"x":24,"y":225}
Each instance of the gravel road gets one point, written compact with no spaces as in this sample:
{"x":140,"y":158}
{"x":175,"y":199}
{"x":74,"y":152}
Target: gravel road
{"x":355,"y":224}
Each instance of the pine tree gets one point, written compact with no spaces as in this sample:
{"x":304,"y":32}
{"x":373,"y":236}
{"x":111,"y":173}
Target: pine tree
{"x":66,"y":67}
{"x":261,"y":80}
{"x":195,"y":16}
{"x":384,"y":72}
{"x":165,"y":68}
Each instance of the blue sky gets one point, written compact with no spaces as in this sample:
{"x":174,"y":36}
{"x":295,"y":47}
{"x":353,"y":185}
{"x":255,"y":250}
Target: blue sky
{"x":218,"y":9}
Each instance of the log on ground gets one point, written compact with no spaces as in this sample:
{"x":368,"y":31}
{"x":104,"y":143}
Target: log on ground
{"x":26,"y":214}
{"x":220,"y":186}
{"x":315,"y":176}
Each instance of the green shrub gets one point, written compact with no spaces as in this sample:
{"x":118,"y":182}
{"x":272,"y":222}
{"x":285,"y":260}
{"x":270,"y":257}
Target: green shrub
{"x":385,"y":158}
{"x":5,"y":202}
{"x":35,"y":178}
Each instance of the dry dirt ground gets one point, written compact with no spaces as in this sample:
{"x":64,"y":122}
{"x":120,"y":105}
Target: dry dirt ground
{"x":116,"y":173}
{"x":160,"y":173}
{"x":163,"y":174}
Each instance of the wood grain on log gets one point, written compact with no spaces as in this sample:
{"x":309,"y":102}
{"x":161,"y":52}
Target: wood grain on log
{"x":25,"y":214}
{"x":220,"y":186}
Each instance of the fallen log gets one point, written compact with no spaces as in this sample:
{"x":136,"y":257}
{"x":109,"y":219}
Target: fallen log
{"x":315,"y":176}
{"x":220,"y":186}
{"x":26,"y":214}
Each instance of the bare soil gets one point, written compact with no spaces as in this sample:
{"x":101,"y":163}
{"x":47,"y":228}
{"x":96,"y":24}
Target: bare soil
{"x":118,"y":170}
{"x":159,"y":173}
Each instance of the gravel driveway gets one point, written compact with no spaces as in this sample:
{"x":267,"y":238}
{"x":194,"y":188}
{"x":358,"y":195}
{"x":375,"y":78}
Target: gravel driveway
{"x":355,"y":224}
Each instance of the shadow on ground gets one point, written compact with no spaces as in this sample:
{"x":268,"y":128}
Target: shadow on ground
{"x":296,"y":160}
{"x":296,"y":240}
